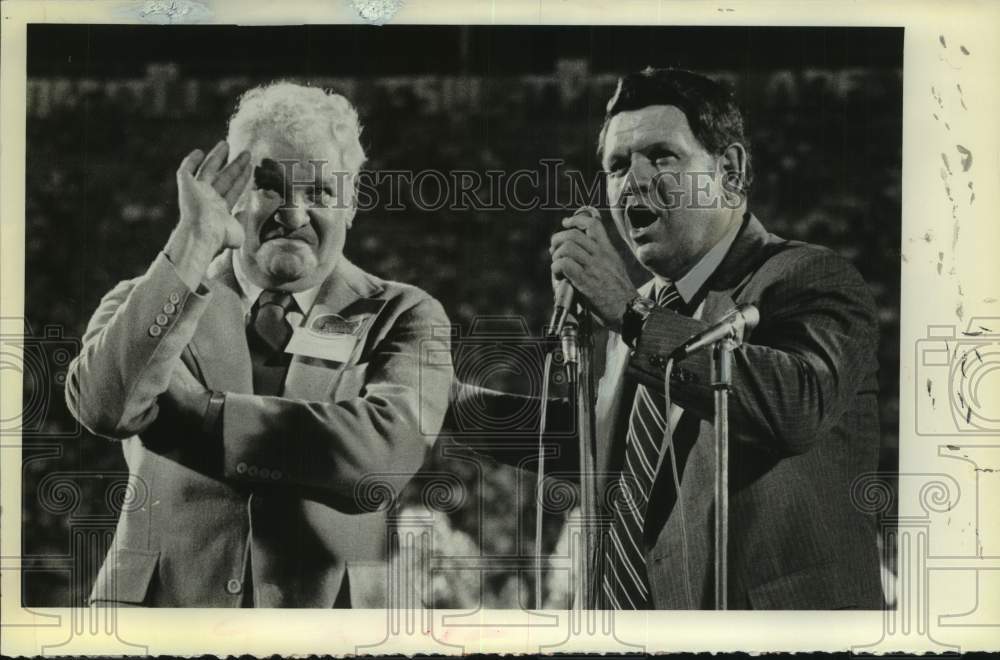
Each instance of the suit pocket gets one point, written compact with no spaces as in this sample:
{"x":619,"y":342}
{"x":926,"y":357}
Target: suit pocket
{"x":351,"y":382}
{"x":125,"y":577}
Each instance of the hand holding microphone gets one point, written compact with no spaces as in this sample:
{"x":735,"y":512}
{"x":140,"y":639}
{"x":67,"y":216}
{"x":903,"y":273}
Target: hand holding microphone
{"x":585,"y":261}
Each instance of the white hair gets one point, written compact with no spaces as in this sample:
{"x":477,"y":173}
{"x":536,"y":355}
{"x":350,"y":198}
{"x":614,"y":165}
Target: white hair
{"x":300,"y":114}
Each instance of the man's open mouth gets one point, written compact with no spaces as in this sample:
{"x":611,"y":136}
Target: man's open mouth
{"x":640,"y":217}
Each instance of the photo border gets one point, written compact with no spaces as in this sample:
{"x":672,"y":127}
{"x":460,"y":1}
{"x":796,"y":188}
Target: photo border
{"x":949,"y":543}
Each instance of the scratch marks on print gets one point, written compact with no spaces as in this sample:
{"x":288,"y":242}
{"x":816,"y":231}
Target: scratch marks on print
{"x":957,"y":159}
{"x":168,"y":12}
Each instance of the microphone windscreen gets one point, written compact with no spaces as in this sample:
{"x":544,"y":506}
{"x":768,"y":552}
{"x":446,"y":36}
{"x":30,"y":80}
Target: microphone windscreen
{"x":751,"y":317}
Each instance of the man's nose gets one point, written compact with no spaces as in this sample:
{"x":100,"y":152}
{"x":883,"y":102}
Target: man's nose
{"x":640,"y":175}
{"x":294,"y":213}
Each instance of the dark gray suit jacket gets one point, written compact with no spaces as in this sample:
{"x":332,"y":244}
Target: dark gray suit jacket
{"x":803,"y":423}
{"x":283,"y":490}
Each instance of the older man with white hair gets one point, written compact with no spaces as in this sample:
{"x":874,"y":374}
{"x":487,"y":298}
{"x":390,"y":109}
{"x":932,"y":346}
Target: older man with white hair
{"x":259,"y":382}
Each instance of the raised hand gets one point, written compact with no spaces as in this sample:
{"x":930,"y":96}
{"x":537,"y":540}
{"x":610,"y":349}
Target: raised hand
{"x":206,"y":194}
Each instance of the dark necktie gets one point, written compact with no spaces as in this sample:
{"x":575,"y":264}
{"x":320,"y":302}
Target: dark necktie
{"x":267,"y":334}
{"x":625,"y":582}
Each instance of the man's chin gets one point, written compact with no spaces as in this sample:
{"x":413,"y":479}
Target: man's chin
{"x":287,"y":267}
{"x":652,"y":258}
{"x":646,"y":254}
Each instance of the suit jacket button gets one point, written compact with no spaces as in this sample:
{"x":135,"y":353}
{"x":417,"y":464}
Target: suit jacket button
{"x":234,"y":586}
{"x":169,"y":308}
{"x":174,"y":298}
{"x":252,"y":471}
{"x":241,"y":468}
{"x":155,"y":330}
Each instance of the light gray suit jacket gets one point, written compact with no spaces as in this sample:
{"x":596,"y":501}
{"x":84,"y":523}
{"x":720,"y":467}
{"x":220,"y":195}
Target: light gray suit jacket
{"x":286,"y":493}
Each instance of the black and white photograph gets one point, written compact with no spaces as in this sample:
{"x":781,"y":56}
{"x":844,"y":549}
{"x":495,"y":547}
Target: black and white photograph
{"x":465,"y":317}
{"x":193,"y":212}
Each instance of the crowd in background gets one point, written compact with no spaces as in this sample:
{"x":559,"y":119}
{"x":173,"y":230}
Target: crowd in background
{"x":101,"y":201}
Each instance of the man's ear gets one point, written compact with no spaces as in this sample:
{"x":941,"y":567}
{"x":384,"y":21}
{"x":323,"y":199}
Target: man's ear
{"x":734,"y":171}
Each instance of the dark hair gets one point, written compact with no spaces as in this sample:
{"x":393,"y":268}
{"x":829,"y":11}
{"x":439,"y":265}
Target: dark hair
{"x":709,"y":106}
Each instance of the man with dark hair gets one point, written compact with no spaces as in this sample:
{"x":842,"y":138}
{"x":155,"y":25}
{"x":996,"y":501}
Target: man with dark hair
{"x":803,"y":410}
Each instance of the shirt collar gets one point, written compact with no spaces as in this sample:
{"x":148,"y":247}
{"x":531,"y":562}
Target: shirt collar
{"x":250,"y":291}
{"x":693,"y":280}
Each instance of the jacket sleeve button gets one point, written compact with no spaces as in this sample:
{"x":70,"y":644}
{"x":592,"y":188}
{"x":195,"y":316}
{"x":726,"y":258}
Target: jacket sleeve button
{"x":241,"y":468}
{"x":252,"y":471}
{"x":276,"y":474}
{"x":174,"y":298}
{"x":155,"y":331}
{"x":169,"y":308}
{"x":264,"y":473}
{"x":162,"y":319}
{"x":234,"y":586}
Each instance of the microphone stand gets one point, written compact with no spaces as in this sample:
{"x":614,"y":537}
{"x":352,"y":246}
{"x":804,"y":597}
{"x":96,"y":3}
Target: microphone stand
{"x":723,"y":337}
{"x":580,"y":373}
{"x":722,"y":357}
{"x":577,"y":345}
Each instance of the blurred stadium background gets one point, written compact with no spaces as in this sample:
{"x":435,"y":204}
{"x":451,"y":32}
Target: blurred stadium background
{"x":111,"y":110}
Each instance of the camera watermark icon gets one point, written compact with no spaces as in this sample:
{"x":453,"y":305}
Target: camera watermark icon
{"x":499,"y":374}
{"x":958,"y":377}
{"x":42,"y":361}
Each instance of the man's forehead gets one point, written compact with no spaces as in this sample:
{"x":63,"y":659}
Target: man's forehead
{"x":631,"y":125}
{"x":297,"y":154}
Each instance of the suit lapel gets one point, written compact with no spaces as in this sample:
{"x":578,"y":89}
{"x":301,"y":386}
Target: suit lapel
{"x":717,"y":304}
{"x":350,"y":293}
{"x":746,"y":253}
{"x":222,"y":353}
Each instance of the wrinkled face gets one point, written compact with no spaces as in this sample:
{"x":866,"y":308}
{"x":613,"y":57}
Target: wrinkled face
{"x":665,"y":189}
{"x":296,"y":214}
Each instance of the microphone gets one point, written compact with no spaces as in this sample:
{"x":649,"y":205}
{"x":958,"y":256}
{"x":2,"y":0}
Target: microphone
{"x":570,"y":348}
{"x":565,"y":293}
{"x":740,"y":319}
{"x":564,"y":296}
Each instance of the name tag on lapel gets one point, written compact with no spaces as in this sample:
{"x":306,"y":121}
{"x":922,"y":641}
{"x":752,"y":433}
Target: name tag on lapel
{"x":332,"y":336}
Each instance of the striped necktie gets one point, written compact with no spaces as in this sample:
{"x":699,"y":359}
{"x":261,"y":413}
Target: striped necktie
{"x":625,"y":582}
{"x":267,"y":335}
